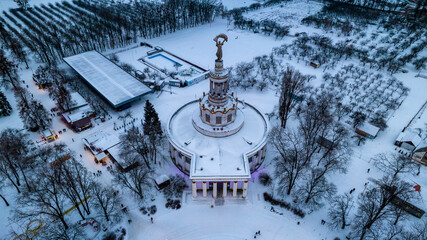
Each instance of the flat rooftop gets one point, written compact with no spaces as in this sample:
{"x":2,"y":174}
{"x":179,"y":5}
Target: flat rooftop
{"x":221,"y":157}
{"x":100,"y":141}
{"x":113,"y":83}
{"x":78,"y":114}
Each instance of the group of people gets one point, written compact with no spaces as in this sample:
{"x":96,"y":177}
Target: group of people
{"x":98,"y":173}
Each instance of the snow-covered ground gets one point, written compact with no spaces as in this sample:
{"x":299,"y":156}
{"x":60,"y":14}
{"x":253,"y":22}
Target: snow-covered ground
{"x":236,"y":219}
{"x":287,"y":13}
{"x":230,"y":4}
{"x":7,"y":4}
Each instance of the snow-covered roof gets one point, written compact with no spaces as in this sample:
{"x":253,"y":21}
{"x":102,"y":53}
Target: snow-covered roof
{"x":422,"y":146}
{"x":369,"y":128}
{"x":218,"y":158}
{"x":47,"y":133}
{"x":161,"y":179}
{"x":78,"y":114}
{"x":115,"y":153}
{"x":78,"y":100}
{"x":100,"y":141}
{"x":112,"y":82}
{"x":409,"y":135}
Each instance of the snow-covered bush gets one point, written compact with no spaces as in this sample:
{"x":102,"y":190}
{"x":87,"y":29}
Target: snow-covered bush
{"x":174,"y":204}
{"x":275,"y":202}
{"x":265,"y":179}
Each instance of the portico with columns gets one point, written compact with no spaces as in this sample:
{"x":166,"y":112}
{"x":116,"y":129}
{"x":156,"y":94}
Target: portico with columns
{"x":236,"y":188}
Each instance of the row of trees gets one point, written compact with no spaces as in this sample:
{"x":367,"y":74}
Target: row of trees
{"x":416,"y":8}
{"x":56,"y":31}
{"x":363,"y":95}
{"x":31,"y":111}
{"x":391,"y":55}
{"x":267,"y":27}
{"x":345,"y":27}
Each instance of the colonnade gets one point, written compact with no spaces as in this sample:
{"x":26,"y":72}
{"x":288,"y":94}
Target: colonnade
{"x":205,"y":188}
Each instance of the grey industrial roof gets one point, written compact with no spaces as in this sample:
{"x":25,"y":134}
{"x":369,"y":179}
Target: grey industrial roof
{"x":113,"y":83}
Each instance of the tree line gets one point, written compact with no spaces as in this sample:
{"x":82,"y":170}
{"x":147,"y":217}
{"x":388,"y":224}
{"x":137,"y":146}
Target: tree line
{"x":55,"y":31}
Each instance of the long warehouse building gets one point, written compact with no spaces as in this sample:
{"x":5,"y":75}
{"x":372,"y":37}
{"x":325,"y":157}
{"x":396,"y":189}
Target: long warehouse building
{"x":115,"y":85}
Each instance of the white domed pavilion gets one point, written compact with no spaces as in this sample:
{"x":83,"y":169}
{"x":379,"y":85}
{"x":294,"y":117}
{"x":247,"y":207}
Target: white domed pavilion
{"x":218,"y":140}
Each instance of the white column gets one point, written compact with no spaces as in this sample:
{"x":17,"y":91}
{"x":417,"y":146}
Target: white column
{"x":214,"y":190}
{"x":194,"y":190}
{"x":224,"y":189}
{"x":235,"y":189}
{"x":245,"y":189}
{"x":205,"y":190}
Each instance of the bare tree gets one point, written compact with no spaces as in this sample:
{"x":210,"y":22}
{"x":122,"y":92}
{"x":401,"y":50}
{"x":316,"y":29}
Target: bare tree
{"x":339,"y":211}
{"x":16,"y":144}
{"x":135,"y":145}
{"x":315,"y":188}
{"x":293,"y":87}
{"x":107,"y":201}
{"x":14,"y":161}
{"x":290,"y":165}
{"x":394,"y":164}
{"x":136,"y":180}
{"x":8,"y":71}
{"x":360,"y":139}
{"x":374,"y":205}
{"x":32,"y":112}
{"x":59,"y":91}
{"x":358,"y":118}
{"x":46,"y":199}
{"x":77,"y":182}
{"x":7,"y":170}
{"x":417,"y":231}
{"x":55,"y":231}
{"x":397,"y":214}
{"x":125,"y":117}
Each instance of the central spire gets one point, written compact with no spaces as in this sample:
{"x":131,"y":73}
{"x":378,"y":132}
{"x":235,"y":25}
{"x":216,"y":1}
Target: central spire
{"x":218,"y":79}
{"x":218,"y":110}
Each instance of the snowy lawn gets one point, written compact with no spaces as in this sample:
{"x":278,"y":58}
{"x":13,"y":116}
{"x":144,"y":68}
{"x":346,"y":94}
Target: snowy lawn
{"x":236,"y":219}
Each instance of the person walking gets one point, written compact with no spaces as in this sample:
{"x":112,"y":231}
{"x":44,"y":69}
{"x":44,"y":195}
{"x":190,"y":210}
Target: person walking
{"x":152,"y":221}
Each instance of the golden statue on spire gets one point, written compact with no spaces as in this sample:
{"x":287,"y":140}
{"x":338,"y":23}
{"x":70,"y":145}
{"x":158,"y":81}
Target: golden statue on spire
{"x":219,"y":45}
